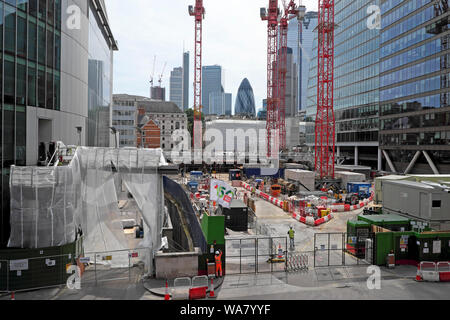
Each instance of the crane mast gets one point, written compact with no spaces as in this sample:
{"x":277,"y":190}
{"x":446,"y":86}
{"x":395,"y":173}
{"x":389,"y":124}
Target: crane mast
{"x":271,"y":16}
{"x":198,"y":12}
{"x":325,"y":139}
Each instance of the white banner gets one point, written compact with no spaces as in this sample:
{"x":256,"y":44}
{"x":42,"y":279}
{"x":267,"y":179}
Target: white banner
{"x":18,"y":265}
{"x":221,"y":192}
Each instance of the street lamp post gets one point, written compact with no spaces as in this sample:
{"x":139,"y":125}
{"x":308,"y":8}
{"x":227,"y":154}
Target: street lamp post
{"x":79,"y":130}
{"x":115,"y":133}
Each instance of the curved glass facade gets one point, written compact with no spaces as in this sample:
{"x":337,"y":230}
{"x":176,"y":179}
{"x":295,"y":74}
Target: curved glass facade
{"x":100,"y":91}
{"x":245,"y":100}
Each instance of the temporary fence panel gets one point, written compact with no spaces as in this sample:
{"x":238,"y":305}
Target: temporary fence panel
{"x":330,"y":249}
{"x":108,"y":266}
{"x":4,"y":276}
{"x":34,"y":273}
{"x":255,"y":255}
{"x":265,"y":253}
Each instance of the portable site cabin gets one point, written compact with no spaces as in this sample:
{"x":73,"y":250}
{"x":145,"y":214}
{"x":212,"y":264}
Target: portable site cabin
{"x":426,"y":202}
{"x":379,"y":185}
{"x":443,"y":179}
{"x":390,"y":232}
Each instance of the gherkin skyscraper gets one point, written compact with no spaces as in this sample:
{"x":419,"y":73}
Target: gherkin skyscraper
{"x":245,"y":100}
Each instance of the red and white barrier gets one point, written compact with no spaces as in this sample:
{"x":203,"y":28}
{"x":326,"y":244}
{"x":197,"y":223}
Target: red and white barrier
{"x":430,"y":271}
{"x":265,"y":196}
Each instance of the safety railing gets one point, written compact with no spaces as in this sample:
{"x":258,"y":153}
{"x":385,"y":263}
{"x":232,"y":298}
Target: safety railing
{"x":186,"y":288}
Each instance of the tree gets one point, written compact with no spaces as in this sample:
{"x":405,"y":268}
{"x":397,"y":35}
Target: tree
{"x":190,"y":118}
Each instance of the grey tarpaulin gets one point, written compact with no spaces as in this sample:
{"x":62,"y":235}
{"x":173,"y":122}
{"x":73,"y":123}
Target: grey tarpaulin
{"x":48,"y":204}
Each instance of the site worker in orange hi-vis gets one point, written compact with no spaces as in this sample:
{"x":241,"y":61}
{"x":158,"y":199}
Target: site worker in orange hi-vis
{"x":218,"y":263}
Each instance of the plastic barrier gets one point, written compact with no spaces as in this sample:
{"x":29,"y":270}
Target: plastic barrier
{"x":430,"y":271}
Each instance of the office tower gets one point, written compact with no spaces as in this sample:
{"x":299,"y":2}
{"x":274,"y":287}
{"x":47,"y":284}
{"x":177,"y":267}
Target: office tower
{"x":176,"y":87}
{"x":186,"y":83}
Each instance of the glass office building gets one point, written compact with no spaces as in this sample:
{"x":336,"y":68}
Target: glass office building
{"x":176,"y":87}
{"x":186,"y":83}
{"x":356,"y":85}
{"x":414,"y":81}
{"x":245,"y":100}
{"x":302,"y":57}
{"x":54,"y":79}
{"x":212,"y":81}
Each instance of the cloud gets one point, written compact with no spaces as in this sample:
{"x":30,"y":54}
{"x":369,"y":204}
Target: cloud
{"x":234,"y":37}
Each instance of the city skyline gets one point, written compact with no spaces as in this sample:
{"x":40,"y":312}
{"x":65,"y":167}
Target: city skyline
{"x":222,"y":42}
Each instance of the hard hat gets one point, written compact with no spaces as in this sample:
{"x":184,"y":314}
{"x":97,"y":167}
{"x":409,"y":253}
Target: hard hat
{"x":217,"y":252}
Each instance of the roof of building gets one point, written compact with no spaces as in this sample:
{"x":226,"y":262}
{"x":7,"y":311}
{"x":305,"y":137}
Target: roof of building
{"x":157,"y":106}
{"x":388,"y":218}
{"x":408,"y":183}
{"x":123,"y":96}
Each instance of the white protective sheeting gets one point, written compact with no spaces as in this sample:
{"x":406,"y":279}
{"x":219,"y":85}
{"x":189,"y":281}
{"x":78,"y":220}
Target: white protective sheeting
{"x":49,"y":204}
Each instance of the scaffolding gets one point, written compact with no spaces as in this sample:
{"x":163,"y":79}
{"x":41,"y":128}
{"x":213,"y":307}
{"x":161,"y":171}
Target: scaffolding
{"x":51,"y":206}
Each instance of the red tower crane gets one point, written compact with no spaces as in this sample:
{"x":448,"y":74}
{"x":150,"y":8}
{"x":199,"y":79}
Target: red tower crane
{"x":325,"y":122}
{"x":271,"y":16}
{"x":291,"y":11}
{"x":198,"y":12}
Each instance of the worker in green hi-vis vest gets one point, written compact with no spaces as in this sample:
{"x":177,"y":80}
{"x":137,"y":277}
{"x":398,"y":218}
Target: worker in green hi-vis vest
{"x":291,"y":233}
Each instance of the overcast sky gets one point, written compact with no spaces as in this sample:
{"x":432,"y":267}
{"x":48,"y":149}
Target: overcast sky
{"x":233,"y":36}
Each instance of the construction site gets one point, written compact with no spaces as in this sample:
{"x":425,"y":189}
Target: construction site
{"x":137,"y":223}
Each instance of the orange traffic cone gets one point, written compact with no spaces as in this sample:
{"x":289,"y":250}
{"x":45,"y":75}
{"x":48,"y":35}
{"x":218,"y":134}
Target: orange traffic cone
{"x":280,"y":252}
{"x":12,"y":296}
{"x":211,"y":290}
{"x":418,"y":275}
{"x":167,"y":296}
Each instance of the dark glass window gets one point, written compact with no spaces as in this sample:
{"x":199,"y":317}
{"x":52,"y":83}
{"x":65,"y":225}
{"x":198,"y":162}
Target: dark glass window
{"x":57,"y":51}
{"x":11,"y":2}
{"x":10,"y":29}
{"x":31,"y":85}
{"x":22,"y":5}
{"x":32,"y":41}
{"x":21,"y":136}
{"x":50,"y":11}
{"x":58,"y":14}
{"x":436,"y":204}
{"x":9,"y":85}
{"x":49,"y":90}
{"x":41,"y":45}
{"x":57,"y":91}
{"x":49,"y":49}
{"x":33,"y":7}
{"x":41,"y":88}
{"x":1,"y":26}
{"x":8,"y":135}
{"x":21,"y":82}
{"x":42,"y":9}
{"x":22,"y":36}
